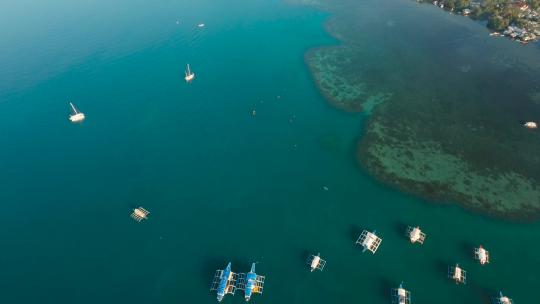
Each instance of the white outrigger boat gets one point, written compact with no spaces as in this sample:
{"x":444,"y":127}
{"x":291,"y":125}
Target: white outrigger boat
{"x":76,"y":116}
{"x":416,"y":235}
{"x":502,"y":299}
{"x":400,"y":295}
{"x":457,"y":274}
{"x":189,"y":74}
{"x":140,"y":214}
{"x":201,"y":25}
{"x":315,"y":262}
{"x":369,"y":240}
{"x":482,"y":255}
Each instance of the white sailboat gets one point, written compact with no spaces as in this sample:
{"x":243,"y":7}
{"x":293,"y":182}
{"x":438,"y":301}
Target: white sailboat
{"x":189,"y":74}
{"x":76,"y":116}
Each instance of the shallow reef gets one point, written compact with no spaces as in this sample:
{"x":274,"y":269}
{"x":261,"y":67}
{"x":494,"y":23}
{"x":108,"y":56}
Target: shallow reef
{"x":341,"y":86}
{"x":445,"y":105}
{"x":426,"y":169}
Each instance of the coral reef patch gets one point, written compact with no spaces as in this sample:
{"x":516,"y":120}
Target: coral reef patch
{"x":444,"y":113}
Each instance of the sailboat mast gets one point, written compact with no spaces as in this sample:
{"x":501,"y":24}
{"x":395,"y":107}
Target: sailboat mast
{"x":73,"y":107}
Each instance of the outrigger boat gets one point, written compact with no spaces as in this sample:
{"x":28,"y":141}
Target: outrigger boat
{"x":416,"y":235}
{"x":251,"y":283}
{"x":369,"y":240}
{"x":502,"y":299}
{"x":315,"y":262}
{"x":189,"y":74}
{"x":481,"y":255}
{"x":224,"y":282}
{"x":457,"y":274}
{"x":400,"y":295}
{"x":140,"y":214}
{"x":76,"y":116}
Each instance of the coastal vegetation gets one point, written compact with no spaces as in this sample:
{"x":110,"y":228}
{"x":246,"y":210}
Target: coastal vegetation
{"x":515,"y":19}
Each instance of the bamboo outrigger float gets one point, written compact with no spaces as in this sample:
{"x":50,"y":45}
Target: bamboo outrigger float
{"x":502,"y":299}
{"x":315,"y":262}
{"x":416,"y":235}
{"x":251,"y":283}
{"x":481,"y":255}
{"x":76,"y":116}
{"x":369,"y":240}
{"x":224,"y":282}
{"x":140,"y":214}
{"x":400,"y":295}
{"x":457,"y":274}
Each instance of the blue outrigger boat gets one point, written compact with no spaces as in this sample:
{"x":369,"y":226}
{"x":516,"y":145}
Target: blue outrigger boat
{"x":224,"y":282}
{"x":251,"y":283}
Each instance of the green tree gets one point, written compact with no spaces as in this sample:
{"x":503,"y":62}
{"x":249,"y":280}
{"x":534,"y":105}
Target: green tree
{"x":498,"y":23}
{"x":461,"y":4}
{"x":535,"y":4}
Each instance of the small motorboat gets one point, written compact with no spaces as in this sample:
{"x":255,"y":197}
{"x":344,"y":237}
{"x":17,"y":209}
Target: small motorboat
{"x":530,"y":125}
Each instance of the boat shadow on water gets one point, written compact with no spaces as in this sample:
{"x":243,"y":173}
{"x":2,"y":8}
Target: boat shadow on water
{"x":400,"y":228}
{"x":384,"y":288}
{"x":303,"y":254}
{"x":467,"y":249}
{"x":354,"y":232}
{"x":485,"y":295}
{"x":441,"y":266}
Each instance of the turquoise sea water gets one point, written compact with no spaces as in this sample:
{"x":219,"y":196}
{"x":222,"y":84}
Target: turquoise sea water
{"x":221,"y":185}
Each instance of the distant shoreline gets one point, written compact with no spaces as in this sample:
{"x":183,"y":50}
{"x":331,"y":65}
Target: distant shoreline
{"x":517,"y":21}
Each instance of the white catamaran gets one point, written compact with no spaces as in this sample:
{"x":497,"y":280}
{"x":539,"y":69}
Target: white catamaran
{"x":189,"y":74}
{"x":76,"y":116}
